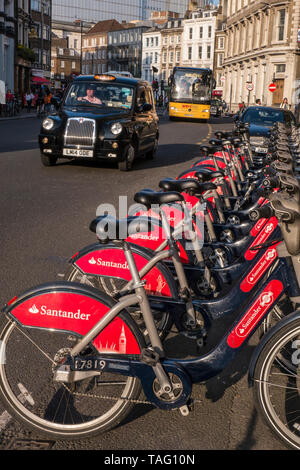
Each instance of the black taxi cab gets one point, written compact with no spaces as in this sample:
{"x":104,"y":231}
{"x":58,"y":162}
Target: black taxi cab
{"x":102,"y":117}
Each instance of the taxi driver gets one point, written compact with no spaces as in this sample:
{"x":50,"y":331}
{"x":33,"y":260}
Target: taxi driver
{"x":90,"y":95}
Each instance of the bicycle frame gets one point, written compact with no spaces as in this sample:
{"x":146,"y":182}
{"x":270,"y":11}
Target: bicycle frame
{"x":251,"y":315}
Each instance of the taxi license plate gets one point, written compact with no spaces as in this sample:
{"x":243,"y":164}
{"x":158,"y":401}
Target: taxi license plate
{"x":78,"y":153}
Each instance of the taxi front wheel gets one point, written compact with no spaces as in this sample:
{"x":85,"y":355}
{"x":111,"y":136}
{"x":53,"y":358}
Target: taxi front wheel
{"x":126,"y":164}
{"x":48,"y":160}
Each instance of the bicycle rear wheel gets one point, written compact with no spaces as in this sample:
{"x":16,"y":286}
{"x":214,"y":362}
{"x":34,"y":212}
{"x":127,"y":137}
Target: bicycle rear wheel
{"x":63,"y":411}
{"x":277,"y":384}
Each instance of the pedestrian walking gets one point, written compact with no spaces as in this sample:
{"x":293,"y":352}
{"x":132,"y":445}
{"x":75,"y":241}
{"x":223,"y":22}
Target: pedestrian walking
{"x":28,"y":98}
{"x":258,"y":102}
{"x":47,"y":101}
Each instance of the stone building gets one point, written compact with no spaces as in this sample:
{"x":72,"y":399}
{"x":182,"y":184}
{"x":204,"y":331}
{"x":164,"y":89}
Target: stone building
{"x":219,"y":55}
{"x":65,"y":62}
{"x":171,"y":53}
{"x":124,"y":49}
{"x":94,"y":49}
{"x":40,"y":37}
{"x":24,"y":56}
{"x":152,"y":45}
{"x":198,"y":40}
{"x":73,"y":32}
{"x":261,"y":48}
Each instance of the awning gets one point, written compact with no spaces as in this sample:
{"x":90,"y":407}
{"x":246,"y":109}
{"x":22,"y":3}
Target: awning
{"x":40,"y":80}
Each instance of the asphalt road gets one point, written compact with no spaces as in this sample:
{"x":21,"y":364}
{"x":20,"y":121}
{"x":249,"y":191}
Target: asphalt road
{"x":45,"y":215}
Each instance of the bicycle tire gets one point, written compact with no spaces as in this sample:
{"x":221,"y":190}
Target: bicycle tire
{"x":276,"y":384}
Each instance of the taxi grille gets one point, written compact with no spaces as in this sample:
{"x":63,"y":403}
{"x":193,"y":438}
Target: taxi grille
{"x":80,"y":132}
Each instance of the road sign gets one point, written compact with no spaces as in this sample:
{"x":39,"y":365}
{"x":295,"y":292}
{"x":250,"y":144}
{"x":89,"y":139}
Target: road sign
{"x":272,"y":87}
{"x":250,"y":86}
{"x":222,"y":79}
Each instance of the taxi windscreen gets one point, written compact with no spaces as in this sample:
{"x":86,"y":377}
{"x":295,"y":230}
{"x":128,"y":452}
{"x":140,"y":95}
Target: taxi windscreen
{"x":104,"y":95}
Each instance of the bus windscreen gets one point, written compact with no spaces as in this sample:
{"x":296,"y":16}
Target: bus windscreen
{"x":191,"y":86}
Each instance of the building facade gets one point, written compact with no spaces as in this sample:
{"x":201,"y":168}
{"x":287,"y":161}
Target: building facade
{"x":65,"y":62}
{"x":124,"y":49}
{"x":219,"y":54}
{"x":7,"y":45}
{"x":198,"y":40}
{"x":25,"y":56}
{"x":40,"y":37}
{"x":94,"y":49}
{"x":151,"y":56}
{"x":261,"y":48}
{"x":171,"y":53}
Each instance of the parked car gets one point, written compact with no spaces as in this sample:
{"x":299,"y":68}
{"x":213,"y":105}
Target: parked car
{"x":102,"y":117}
{"x":216,"y":108}
{"x":261,"y":119}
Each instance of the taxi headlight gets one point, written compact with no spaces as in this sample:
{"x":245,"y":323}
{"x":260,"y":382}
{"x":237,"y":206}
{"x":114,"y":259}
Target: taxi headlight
{"x":48,"y":124}
{"x":116,"y":128}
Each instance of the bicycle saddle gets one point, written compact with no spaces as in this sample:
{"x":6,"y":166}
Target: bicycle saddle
{"x":108,"y":228}
{"x":284,"y":167}
{"x":147,"y":197}
{"x":184,"y":185}
{"x":284,"y":157}
{"x":203,"y":176}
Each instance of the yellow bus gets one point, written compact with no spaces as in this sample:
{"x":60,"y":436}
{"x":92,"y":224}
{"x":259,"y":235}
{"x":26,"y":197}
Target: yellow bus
{"x":190,"y":93}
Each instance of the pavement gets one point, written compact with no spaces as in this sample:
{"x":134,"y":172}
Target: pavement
{"x":22,"y":115}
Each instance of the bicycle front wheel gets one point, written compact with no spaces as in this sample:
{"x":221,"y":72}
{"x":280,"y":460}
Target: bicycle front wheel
{"x":61,"y":411}
{"x":277,"y":384}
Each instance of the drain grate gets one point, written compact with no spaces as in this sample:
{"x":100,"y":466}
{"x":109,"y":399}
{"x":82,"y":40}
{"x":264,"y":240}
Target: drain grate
{"x":29,"y":444}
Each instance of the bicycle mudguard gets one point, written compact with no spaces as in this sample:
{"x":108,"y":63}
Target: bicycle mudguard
{"x":109,"y":261}
{"x":75,"y":308}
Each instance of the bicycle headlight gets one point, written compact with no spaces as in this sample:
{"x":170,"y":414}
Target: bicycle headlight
{"x":48,"y":124}
{"x":116,"y":128}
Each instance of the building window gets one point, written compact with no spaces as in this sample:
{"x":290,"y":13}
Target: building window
{"x":62,"y":64}
{"x":190,"y":53}
{"x":62,"y":75}
{"x":221,"y":43}
{"x":201,"y":32}
{"x":209,"y":31}
{"x":60,"y":52}
{"x":171,"y":57}
{"x":220,"y":60}
{"x":164,"y":57}
{"x":200,"y":52}
{"x":73,"y":65}
{"x":178,"y":57}
{"x":280,"y":68}
{"x":191,"y":33}
{"x":281,"y":24}
{"x":208,"y":52}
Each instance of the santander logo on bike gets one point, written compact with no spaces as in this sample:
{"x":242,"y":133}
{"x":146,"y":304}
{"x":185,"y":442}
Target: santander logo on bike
{"x":255,"y":313}
{"x":259,"y":269}
{"x":108,"y":264}
{"x":59,"y":313}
